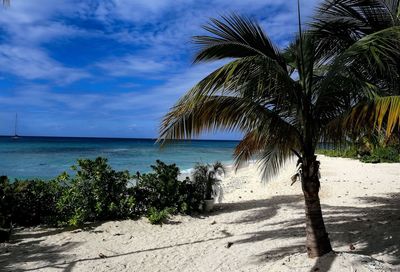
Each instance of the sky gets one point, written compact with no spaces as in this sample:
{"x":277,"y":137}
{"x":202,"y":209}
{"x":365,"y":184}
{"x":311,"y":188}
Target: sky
{"x":112,"y":68}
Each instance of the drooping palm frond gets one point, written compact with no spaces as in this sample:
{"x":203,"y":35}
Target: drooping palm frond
{"x":368,"y":117}
{"x":268,"y":145}
{"x":6,"y":3}
{"x":377,"y":49}
{"x":214,"y":113}
{"x":384,"y":112}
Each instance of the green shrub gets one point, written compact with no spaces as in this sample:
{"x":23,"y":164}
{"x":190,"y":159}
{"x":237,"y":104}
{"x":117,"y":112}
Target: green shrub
{"x":382,"y":154}
{"x":161,"y":188}
{"x":349,"y":152}
{"x":193,"y":192}
{"x":158,"y":216}
{"x":6,"y":202}
{"x":29,"y":202}
{"x":96,"y":192}
{"x":374,"y":155}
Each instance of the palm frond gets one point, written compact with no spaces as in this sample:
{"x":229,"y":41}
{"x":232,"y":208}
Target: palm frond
{"x":340,"y":23}
{"x":368,"y":66}
{"x":260,"y":144}
{"x":274,"y":157}
{"x":379,"y":113}
{"x":255,"y":78}
{"x":190,"y":117}
{"x":231,"y":77}
{"x":235,"y":37}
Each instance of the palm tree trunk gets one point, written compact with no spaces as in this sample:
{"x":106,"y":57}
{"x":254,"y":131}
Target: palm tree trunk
{"x":317,"y":239}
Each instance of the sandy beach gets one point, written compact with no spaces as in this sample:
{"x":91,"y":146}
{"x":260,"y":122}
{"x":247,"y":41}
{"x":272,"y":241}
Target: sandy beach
{"x":258,"y":227}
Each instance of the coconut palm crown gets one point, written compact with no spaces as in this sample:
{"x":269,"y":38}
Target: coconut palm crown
{"x":282,"y":100}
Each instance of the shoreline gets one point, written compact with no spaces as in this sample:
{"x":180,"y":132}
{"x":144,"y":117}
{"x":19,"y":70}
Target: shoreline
{"x":263,"y":221}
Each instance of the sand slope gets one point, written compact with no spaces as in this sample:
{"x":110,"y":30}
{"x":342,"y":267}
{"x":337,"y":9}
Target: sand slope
{"x":264,"y":222}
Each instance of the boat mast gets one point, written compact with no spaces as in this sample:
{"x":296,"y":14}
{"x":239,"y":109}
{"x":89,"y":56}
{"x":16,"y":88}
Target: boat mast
{"x":15,"y":125}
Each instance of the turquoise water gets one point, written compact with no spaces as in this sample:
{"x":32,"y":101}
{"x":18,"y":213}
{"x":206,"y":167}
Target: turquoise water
{"x":47,"y":157}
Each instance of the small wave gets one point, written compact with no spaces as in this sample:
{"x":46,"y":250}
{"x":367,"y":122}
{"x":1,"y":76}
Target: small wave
{"x":116,"y":149}
{"x":187,"y":171}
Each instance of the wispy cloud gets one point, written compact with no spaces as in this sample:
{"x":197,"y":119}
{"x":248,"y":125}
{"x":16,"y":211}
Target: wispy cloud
{"x":31,"y":63}
{"x":132,"y":65}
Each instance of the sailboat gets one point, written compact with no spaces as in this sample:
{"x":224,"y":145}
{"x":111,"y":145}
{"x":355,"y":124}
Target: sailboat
{"x":15,"y":137}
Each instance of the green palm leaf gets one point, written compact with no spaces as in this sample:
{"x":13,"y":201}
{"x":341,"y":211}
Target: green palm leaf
{"x":235,"y":37}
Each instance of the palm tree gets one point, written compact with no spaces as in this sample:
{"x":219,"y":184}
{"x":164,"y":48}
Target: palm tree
{"x":282,"y":100}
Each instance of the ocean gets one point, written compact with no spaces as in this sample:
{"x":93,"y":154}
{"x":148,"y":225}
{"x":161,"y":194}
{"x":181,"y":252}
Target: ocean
{"x":47,"y":157}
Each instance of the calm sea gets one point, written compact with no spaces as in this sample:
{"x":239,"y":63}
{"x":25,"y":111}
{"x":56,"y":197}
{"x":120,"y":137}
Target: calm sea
{"x":47,"y":157}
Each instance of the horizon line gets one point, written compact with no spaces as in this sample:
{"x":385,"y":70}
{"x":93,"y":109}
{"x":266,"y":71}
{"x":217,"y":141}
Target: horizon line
{"x":116,"y":138}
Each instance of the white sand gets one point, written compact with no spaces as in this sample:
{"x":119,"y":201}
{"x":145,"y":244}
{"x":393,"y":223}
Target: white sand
{"x":361,"y":204}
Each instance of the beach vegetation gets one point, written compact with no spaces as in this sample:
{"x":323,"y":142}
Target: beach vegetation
{"x":208,"y":176}
{"x":343,"y":152}
{"x":383,"y":154}
{"x":28,"y":202}
{"x":287,"y":100}
{"x":162,"y":189}
{"x":370,"y":148}
{"x":158,"y":217}
{"x":96,"y":192}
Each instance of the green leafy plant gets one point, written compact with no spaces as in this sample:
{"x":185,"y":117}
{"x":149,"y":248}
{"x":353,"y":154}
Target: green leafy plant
{"x":349,"y":152}
{"x":382,"y":154}
{"x":96,"y":192}
{"x":162,"y":189}
{"x":6,"y":202}
{"x":29,"y":202}
{"x":159,"y":216}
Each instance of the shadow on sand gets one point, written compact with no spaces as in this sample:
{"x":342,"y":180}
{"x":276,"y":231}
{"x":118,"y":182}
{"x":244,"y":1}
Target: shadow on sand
{"x":374,"y":229}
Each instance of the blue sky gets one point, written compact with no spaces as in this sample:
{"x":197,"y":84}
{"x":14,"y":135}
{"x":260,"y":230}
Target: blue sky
{"x":111,"y":68}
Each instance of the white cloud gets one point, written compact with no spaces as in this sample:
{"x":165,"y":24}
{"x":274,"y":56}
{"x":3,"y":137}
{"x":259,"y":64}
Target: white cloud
{"x":31,"y":63}
{"x":26,"y":25}
{"x":132,"y":65}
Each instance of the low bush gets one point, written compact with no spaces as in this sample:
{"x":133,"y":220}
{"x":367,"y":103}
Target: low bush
{"x":375,"y":155}
{"x":159,"y":216}
{"x":29,"y":202}
{"x":382,"y":154}
{"x":162,"y":189}
{"x":349,"y":152}
{"x":96,"y":192}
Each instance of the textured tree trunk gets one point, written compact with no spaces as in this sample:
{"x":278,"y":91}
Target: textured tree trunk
{"x":317,"y":242}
